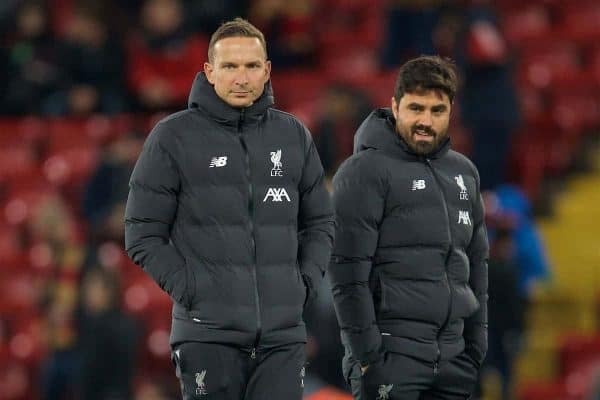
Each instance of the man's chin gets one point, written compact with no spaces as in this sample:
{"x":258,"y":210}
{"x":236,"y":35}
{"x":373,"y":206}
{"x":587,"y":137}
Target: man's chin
{"x":238,"y":102}
{"x":423,"y":147}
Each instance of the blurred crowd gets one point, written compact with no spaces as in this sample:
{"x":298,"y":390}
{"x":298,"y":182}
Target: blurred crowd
{"x":86,"y":320}
{"x":78,"y":58}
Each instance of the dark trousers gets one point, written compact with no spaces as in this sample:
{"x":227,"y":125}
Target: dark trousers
{"x":399,"y":377}
{"x":210,"y":371}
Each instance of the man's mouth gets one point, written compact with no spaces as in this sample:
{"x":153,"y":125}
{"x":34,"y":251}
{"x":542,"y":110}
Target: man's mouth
{"x":422,"y":133}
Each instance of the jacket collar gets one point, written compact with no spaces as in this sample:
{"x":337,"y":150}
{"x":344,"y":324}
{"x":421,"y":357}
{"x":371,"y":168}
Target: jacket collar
{"x":378,"y":131}
{"x":203,"y":97}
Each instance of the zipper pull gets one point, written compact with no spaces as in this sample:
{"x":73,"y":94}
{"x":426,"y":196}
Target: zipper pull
{"x":253,"y":353}
{"x":435,"y":368}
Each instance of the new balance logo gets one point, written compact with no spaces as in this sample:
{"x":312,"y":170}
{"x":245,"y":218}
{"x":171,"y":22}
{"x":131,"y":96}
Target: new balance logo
{"x":276,"y":195}
{"x":464,"y":218}
{"x":218,"y":162}
{"x":418,"y":184}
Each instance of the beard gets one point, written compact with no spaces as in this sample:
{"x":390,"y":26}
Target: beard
{"x":419,"y":145}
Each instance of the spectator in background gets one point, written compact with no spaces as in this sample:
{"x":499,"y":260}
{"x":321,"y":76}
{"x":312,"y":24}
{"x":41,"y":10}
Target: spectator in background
{"x":59,"y":369}
{"x":508,"y":201}
{"x":324,"y":348}
{"x":164,"y":59}
{"x":343,"y":110}
{"x":409,"y":29}
{"x":152,"y":390}
{"x":107,"y":340}
{"x":28,"y":62}
{"x":288,"y":26}
{"x":93,"y":65}
{"x":106,"y":192}
{"x":506,"y":309}
{"x":517,"y":265}
{"x":207,"y":15}
{"x":52,"y":228}
{"x":488,"y":103}
{"x":108,"y":184}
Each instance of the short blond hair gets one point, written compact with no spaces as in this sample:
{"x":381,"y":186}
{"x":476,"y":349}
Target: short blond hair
{"x":238,"y":27}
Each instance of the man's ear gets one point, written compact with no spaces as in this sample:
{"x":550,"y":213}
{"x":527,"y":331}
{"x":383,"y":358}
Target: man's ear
{"x":208,"y":71}
{"x":268,"y":69}
{"x":394,"y":107}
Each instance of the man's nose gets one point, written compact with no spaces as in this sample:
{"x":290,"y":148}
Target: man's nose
{"x":241,"y":77}
{"x":425,"y":119}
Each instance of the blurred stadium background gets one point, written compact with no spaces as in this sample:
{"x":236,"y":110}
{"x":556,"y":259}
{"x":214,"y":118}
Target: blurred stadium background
{"x":82,"y":82}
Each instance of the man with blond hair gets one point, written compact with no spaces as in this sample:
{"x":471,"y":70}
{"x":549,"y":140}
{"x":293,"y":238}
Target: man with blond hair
{"x":228,"y":213}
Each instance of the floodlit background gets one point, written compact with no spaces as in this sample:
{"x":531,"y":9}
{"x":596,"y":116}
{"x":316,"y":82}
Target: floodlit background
{"x":83,"y":81}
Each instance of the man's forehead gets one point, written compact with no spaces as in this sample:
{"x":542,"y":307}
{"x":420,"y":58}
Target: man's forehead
{"x":239,"y":47}
{"x":426,"y":96}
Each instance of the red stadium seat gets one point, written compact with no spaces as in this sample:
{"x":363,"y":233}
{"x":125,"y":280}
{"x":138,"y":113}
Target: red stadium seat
{"x":306,"y":112}
{"x":545,"y":64}
{"x":526,"y":23}
{"x":22,"y":201}
{"x":544,"y":391}
{"x":67,"y":133}
{"x":19,"y":293}
{"x":12,"y":254}
{"x":533,"y":105}
{"x":576,"y":111}
{"x":297,"y":87}
{"x":577,"y":351}
{"x":15,"y":381}
{"x":347,"y":62}
{"x":581,"y":22}
{"x":528,"y":161}
{"x":18,"y":163}
{"x":27,"y":342}
{"x":72,"y":165}
{"x":359,"y":20}
{"x":100,"y":128}
{"x":22,"y":131}
{"x":594,"y":65}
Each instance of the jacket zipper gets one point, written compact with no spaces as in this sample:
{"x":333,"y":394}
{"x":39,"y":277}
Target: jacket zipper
{"x":446,"y":279}
{"x":251,"y":222}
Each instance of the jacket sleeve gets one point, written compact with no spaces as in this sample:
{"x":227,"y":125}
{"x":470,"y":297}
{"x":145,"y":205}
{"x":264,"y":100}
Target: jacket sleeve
{"x":315,"y":220}
{"x":476,"y":326}
{"x":149,"y":215}
{"x":359,"y":199}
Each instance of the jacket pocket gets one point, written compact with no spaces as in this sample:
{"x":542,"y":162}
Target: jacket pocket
{"x":383,"y":297}
{"x":465,"y":302}
{"x":199,"y":288}
{"x":305,"y":289}
{"x":190,"y":285}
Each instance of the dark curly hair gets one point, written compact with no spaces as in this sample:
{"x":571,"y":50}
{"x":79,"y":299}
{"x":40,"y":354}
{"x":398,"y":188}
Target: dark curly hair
{"x":427,"y":73}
